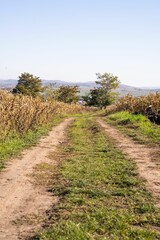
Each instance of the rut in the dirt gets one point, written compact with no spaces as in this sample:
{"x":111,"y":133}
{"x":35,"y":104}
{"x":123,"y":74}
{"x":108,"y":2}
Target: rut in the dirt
{"x":19,"y":198}
{"x":147,"y":161}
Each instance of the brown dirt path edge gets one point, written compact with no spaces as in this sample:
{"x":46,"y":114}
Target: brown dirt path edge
{"x":18,"y":195}
{"x":147,"y":159}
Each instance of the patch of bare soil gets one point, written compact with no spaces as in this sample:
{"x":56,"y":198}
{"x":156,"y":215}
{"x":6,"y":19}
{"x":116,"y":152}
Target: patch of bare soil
{"x":23,"y":204}
{"x":147,"y":159}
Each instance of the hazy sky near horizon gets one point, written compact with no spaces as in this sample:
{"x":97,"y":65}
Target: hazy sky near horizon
{"x":72,"y":40}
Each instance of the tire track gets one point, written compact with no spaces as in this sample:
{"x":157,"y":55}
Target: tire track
{"x":147,"y":159}
{"x":19,"y":197}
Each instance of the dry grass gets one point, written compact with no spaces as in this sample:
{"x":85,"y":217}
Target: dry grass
{"x":136,"y":104}
{"x":22,"y":113}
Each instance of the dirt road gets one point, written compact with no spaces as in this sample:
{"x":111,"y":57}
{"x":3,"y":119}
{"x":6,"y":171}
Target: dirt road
{"x":19,"y":197}
{"x":23,"y":204}
{"x":147,"y":159}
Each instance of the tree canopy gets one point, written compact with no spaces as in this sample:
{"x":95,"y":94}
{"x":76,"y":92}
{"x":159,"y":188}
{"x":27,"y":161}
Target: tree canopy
{"x":29,"y":85}
{"x":103,"y":95}
{"x":66,"y":94}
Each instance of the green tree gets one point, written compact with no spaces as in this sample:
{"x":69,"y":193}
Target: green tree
{"x":103,"y":95}
{"x":29,"y":85}
{"x":91,"y":98}
{"x":68,"y":94}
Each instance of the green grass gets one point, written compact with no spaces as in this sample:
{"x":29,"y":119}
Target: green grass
{"x":14,"y":144}
{"x":136,"y":126}
{"x":101,"y":196}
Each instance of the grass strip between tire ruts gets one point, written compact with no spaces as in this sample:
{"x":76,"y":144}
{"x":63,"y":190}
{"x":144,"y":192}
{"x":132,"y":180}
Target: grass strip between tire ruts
{"x":101,"y":196}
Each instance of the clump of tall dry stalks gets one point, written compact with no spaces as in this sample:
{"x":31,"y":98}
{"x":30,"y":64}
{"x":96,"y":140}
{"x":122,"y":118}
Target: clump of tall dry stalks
{"x":20,"y":113}
{"x":136,"y":104}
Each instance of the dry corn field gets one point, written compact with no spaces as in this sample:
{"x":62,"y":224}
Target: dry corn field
{"x":21,"y":113}
{"x":136,"y":104}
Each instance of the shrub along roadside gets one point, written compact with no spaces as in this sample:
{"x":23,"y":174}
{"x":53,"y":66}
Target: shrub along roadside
{"x":24,"y":119}
{"x":136,"y":104}
{"x":100,"y":194}
{"x":20,"y":114}
{"x":136,"y":126}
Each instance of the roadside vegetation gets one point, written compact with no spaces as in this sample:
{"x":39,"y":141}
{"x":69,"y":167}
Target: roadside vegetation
{"x":22,"y":113}
{"x":136,"y":126}
{"x":138,"y":117}
{"x":24,"y":119}
{"x":100,"y":194}
{"x":136,"y":105}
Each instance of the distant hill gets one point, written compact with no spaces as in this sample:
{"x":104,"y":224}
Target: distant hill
{"x":85,"y":87}
{"x":9,"y":83}
{"x":125,"y":89}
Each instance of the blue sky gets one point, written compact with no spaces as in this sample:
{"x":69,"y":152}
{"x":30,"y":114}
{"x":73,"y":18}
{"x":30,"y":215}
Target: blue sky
{"x":74,"y":39}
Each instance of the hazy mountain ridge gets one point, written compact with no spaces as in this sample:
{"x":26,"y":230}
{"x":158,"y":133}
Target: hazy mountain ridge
{"x":85,"y":86}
